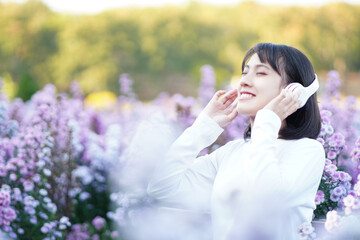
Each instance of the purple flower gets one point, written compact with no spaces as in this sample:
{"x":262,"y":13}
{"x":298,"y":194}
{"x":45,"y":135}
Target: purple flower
{"x":126,"y":85}
{"x":335,"y":176}
{"x":331,"y":155}
{"x":357,"y":143}
{"x":28,"y":186}
{"x":207,"y":83}
{"x":8,"y":214}
{"x":43,"y":215}
{"x":331,"y":168}
{"x":344,"y":176}
{"x":328,"y":129}
{"x":4,"y":198}
{"x":36,"y":178}
{"x":319,"y":197}
{"x":51,"y":207}
{"x":33,"y":220}
{"x":322,"y":141}
{"x":84,"y":195}
{"x":30,"y":210}
{"x":45,"y":228}
{"x":327,"y":161}
{"x":334,"y":197}
{"x":64,"y":223}
{"x":98,"y":223}
{"x":3,"y":170}
{"x":79,"y":232}
{"x":114,"y":234}
{"x":338,"y":191}
{"x":13,"y":176}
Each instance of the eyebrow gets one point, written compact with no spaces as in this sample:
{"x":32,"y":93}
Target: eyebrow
{"x":257,"y":66}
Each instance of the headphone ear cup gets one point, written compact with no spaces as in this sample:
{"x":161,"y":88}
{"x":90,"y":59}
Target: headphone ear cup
{"x":297,"y":87}
{"x":291,"y":87}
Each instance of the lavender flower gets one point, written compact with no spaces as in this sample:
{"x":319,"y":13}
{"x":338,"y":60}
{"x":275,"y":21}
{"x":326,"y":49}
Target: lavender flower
{"x":79,"y":232}
{"x":207,"y":84}
{"x":306,"y":231}
{"x":98,"y":222}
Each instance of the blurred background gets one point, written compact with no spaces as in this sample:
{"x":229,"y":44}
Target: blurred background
{"x":163,"y":44}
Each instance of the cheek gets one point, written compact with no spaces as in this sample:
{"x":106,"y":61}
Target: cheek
{"x":273,"y":95}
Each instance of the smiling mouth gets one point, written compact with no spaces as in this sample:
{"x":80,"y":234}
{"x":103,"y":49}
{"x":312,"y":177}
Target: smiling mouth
{"x":245,"y":96}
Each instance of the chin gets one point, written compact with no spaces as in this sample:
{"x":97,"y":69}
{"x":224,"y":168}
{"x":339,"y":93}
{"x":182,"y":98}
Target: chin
{"x":245,"y":111}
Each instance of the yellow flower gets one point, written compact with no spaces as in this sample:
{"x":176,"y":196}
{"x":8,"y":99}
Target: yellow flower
{"x":101,"y":100}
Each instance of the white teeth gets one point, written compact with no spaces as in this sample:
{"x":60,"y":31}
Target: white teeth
{"x":246,"y":96}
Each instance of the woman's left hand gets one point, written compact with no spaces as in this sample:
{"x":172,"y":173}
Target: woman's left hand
{"x":285,"y":104}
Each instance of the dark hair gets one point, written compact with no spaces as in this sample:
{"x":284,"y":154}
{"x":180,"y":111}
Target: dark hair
{"x":293,"y":66}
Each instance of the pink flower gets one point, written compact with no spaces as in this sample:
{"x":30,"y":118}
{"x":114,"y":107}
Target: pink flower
{"x":331,"y":155}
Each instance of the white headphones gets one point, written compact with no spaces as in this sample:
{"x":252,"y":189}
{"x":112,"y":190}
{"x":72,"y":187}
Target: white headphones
{"x":305,"y":92}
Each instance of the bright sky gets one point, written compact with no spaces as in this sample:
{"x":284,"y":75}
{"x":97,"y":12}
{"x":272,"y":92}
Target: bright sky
{"x":96,"y":6}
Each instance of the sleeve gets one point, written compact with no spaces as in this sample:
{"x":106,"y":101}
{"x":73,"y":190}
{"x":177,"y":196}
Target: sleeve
{"x":281,"y":183}
{"x":295,"y":174}
{"x":184,"y":180}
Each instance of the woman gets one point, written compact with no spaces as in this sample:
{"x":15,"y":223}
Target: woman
{"x":272,"y":174}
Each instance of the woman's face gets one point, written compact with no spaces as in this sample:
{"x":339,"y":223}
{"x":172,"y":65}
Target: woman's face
{"x":258,"y":85}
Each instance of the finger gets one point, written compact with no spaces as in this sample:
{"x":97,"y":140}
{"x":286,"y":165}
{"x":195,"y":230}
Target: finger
{"x":289,"y":98}
{"x":291,"y":110}
{"x":232,"y":115}
{"x":230,"y":109}
{"x":228,"y":96}
{"x":230,"y":101}
{"x":218,"y":94}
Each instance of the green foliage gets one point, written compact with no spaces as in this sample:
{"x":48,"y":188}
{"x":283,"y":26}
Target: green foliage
{"x":157,"y":45}
{"x":27,"y":87}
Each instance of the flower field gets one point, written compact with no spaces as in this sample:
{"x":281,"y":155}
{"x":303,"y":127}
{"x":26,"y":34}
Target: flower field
{"x":69,"y":170}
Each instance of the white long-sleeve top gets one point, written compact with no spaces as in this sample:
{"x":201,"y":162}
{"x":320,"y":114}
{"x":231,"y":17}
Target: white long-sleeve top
{"x":271,"y":179}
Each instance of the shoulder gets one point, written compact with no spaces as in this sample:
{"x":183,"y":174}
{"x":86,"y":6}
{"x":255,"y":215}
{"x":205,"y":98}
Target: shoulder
{"x":304,"y":148}
{"x":302,"y":153}
{"x":230,"y":147}
{"x":310,"y":143}
{"x":302,"y":143}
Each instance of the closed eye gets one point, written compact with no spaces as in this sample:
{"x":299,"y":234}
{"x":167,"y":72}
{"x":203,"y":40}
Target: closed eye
{"x":244,"y":73}
{"x":261,"y":73}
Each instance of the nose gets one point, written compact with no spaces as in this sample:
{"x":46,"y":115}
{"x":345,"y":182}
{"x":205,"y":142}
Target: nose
{"x":245,"y":81}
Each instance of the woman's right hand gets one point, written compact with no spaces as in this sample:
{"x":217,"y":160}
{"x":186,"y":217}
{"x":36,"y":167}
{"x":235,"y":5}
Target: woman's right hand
{"x":222,"y":108}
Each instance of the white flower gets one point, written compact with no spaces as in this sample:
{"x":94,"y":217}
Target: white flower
{"x":43,"y":192}
{"x":349,"y":201}
{"x":47,"y":172}
{"x":84,"y":174}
